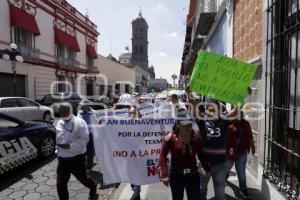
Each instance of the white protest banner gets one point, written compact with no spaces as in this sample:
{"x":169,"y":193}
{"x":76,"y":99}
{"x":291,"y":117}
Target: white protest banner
{"x":129,"y":149}
{"x":150,"y":110}
{"x":109,"y":113}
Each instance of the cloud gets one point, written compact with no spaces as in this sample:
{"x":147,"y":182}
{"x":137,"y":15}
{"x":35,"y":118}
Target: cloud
{"x":159,"y":55}
{"x":172,"y":35}
{"x":161,"y":9}
{"x":162,"y":54}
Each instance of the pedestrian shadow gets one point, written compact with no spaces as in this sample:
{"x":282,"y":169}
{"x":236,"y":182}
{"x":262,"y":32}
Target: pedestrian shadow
{"x":98,"y":178}
{"x":254,"y":193}
{"x":23,"y":171}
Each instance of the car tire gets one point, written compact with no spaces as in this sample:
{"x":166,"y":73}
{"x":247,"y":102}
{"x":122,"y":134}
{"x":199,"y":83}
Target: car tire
{"x":47,"y":147}
{"x":47,"y":117}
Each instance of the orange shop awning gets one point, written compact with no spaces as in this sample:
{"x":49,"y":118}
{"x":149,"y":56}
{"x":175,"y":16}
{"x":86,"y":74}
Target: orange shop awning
{"x":20,"y":18}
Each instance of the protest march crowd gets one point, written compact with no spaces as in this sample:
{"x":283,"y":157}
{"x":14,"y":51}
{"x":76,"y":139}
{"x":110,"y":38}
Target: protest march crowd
{"x":183,"y":141}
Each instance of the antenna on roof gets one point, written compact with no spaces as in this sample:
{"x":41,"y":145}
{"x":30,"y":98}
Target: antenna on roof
{"x":140,"y":12}
{"x":86,"y":13}
{"x":110,"y":44}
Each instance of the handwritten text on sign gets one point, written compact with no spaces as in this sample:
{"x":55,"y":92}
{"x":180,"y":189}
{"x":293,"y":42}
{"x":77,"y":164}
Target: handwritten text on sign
{"x":221,"y":77}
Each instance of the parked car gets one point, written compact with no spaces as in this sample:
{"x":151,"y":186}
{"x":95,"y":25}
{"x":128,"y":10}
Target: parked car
{"x":25,"y":109}
{"x":22,"y":141}
{"x":53,"y":100}
{"x":104,"y":100}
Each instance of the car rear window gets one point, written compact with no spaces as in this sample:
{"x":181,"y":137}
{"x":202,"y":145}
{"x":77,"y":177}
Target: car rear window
{"x":51,"y":98}
{"x":26,"y":103}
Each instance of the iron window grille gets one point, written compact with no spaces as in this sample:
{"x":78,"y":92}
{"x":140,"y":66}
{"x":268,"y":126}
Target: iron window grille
{"x":282,"y":97}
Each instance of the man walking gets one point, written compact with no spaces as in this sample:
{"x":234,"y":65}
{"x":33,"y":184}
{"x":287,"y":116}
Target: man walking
{"x":85,"y":113}
{"x":71,"y":140}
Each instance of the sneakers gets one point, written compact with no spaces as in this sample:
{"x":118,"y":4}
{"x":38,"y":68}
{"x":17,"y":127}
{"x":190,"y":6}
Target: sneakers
{"x":245,"y":194}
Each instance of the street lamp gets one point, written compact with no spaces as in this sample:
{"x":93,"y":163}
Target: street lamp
{"x":174,"y":77}
{"x":14,"y":56}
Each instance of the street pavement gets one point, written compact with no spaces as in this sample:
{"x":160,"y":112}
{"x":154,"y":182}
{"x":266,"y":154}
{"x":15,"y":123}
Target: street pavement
{"x":37,"y":180}
{"x":159,"y":191}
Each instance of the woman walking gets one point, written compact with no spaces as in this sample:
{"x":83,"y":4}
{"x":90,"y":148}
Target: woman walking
{"x":183,"y":144}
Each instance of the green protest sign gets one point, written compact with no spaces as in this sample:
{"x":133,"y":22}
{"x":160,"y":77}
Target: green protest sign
{"x":221,"y":77}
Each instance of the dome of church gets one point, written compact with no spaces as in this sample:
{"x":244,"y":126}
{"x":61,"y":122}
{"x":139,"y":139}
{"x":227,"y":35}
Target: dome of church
{"x":125,"y":57}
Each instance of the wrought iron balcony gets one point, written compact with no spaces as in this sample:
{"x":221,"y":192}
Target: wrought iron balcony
{"x":67,"y":63}
{"x":92,"y":69}
{"x":28,"y":52}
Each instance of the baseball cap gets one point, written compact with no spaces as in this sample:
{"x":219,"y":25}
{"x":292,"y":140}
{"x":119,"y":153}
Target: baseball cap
{"x":183,"y":117}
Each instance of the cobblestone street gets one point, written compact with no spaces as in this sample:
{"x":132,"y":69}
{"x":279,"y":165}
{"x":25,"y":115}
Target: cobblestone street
{"x":37,"y":180}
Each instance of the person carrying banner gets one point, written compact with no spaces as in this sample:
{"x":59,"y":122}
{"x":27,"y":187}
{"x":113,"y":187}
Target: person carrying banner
{"x":239,"y":143}
{"x":183,"y":144}
{"x":86,"y":114}
{"x":212,"y":123}
{"x":71,"y":140}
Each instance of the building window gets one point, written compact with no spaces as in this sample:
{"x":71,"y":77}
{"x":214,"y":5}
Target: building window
{"x":117,"y":88}
{"x":71,"y":53}
{"x":23,"y":37}
{"x":282,"y":97}
{"x":127,"y":88}
{"x":135,"y":49}
{"x":141,"y":49}
{"x":90,"y":61}
{"x":61,"y":87}
{"x":72,"y":82}
{"x":65,"y":52}
{"x":60,"y":51}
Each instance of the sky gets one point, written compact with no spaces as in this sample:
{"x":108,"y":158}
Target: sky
{"x":166,"y":20}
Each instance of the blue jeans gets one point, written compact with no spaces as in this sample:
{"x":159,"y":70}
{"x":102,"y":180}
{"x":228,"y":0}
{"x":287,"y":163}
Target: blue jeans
{"x":240,"y":166}
{"x":136,"y":190}
{"x":218,"y":174}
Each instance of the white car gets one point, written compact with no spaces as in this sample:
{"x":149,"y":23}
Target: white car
{"x":25,"y":109}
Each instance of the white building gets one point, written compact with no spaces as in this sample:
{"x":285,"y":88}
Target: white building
{"x":115,"y":78}
{"x":158,"y":84}
{"x":57,"y":42}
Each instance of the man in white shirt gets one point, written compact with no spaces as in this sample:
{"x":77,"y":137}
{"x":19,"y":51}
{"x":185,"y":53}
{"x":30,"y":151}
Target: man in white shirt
{"x":71,"y":140}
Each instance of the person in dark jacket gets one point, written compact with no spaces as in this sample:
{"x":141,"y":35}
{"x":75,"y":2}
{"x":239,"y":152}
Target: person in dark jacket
{"x":239,"y":144}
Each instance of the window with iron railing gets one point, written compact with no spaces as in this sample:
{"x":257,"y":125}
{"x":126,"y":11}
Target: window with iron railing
{"x":23,"y":37}
{"x":282,"y":97}
{"x":90,"y":62}
{"x":66,"y":56}
{"x":24,"y":40}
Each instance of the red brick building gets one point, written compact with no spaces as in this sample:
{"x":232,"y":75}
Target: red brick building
{"x":248,"y":27}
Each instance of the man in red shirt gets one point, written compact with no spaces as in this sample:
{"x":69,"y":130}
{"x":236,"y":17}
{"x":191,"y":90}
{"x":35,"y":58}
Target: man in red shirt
{"x":239,"y":143}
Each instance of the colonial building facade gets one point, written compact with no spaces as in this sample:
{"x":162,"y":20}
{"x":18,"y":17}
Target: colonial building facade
{"x":57,"y":42}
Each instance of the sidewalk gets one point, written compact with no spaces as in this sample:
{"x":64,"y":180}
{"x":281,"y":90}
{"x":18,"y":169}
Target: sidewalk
{"x":159,"y":191}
